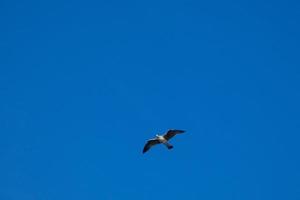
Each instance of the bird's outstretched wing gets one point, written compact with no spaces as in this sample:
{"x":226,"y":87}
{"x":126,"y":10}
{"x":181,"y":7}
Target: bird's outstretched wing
{"x":149,"y":144}
{"x":171,"y":133}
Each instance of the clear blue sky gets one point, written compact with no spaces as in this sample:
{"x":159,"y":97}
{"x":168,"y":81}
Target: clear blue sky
{"x":84,"y":84}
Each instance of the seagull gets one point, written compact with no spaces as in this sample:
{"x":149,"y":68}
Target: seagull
{"x":162,"y":139}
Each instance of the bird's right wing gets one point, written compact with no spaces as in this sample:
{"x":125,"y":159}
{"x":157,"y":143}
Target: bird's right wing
{"x":149,"y":144}
{"x":171,"y":133}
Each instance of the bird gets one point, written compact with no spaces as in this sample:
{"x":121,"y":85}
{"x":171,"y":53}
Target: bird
{"x":162,"y":139}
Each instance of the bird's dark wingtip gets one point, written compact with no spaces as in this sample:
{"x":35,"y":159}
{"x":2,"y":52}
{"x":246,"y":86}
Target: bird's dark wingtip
{"x":177,"y":130}
{"x":145,"y":150}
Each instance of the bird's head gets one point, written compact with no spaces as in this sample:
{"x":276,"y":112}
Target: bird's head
{"x":157,"y":135}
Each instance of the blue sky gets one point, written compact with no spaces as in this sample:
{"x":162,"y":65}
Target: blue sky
{"x":84,"y":84}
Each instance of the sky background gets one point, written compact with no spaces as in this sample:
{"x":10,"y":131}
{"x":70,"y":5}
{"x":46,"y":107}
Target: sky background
{"x":83,"y":85}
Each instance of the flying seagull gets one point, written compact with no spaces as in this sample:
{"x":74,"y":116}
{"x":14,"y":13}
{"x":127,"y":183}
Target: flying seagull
{"x":162,"y":139}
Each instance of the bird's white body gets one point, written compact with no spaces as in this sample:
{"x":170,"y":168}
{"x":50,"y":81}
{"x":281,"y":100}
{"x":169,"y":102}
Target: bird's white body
{"x":161,"y":139}
{"x":164,"y":141}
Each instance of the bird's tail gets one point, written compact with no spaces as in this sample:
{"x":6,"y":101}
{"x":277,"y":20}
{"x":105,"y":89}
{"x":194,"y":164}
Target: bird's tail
{"x":169,"y":146}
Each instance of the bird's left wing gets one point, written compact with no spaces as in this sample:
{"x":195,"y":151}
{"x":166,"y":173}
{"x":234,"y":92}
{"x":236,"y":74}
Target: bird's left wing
{"x":149,"y":144}
{"x":171,"y":133}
